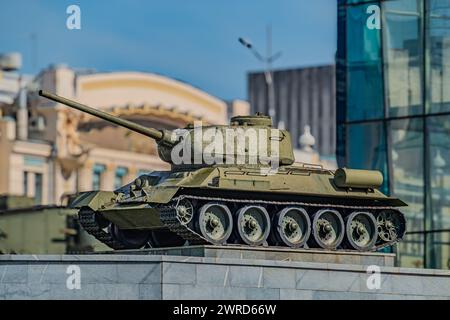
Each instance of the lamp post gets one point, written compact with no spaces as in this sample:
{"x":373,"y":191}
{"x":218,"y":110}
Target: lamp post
{"x":268,"y":61}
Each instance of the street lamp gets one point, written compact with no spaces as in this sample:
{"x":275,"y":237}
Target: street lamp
{"x":267,"y":60}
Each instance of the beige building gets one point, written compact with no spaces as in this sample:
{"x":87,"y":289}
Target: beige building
{"x":48,"y":150}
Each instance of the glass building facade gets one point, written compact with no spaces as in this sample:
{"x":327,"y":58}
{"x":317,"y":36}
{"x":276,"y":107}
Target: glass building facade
{"x":393,"y":112}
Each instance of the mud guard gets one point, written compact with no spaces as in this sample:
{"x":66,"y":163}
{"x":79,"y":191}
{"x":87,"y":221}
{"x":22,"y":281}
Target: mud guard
{"x":92,"y":199}
{"x":162,"y":194}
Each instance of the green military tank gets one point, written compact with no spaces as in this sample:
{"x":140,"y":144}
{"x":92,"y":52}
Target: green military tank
{"x":226,"y":197}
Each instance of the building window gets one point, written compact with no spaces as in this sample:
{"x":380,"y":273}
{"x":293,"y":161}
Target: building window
{"x":38,"y":188}
{"x":97,"y":173}
{"x":25,"y":183}
{"x":121,"y":172}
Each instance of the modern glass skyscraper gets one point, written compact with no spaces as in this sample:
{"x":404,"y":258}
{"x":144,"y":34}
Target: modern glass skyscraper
{"x":393,"y":112}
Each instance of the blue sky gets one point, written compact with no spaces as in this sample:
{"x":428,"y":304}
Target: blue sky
{"x":194,"y":41}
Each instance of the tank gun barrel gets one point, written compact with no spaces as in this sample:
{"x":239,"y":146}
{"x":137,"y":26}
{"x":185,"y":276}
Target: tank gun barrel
{"x":149,"y":132}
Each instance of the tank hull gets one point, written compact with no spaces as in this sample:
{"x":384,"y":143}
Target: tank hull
{"x":302,"y":192}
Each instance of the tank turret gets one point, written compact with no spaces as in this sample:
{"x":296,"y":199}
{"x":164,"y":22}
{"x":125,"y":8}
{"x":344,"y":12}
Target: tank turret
{"x":247,"y":140}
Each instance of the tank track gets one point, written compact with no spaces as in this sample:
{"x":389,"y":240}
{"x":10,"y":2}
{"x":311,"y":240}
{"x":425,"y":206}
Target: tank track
{"x":168,"y":215}
{"x":86,"y":217}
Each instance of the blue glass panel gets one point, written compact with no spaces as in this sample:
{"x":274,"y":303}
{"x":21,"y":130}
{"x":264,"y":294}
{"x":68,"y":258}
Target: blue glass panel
{"x":366,"y":148}
{"x":341,"y":145}
{"x":403,"y":57}
{"x":359,"y":1}
{"x":439,"y":55}
{"x":439,"y":190}
{"x":364,"y":67}
{"x":407,"y":152}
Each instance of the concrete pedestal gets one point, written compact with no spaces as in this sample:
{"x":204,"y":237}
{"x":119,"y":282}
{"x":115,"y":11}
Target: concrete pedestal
{"x":271,"y":253}
{"x":214,"y":273}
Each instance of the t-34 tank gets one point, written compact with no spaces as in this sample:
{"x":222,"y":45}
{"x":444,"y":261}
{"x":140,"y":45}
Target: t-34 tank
{"x":238,"y":184}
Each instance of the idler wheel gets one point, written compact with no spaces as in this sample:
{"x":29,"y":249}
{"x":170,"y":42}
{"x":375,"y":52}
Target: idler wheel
{"x":327,"y":229}
{"x":390,"y":226}
{"x":293,"y":227}
{"x":361,"y":230}
{"x":185,"y":211}
{"x":215,"y":222}
{"x":131,"y":239}
{"x":253,"y":225}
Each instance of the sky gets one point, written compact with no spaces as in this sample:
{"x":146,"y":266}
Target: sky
{"x":194,"y":41}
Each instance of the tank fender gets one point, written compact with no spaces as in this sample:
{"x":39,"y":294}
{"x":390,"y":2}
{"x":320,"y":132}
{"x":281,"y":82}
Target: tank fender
{"x":93,"y":199}
{"x":162,"y":194}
